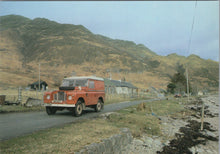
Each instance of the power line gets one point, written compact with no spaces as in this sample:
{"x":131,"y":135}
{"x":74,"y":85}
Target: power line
{"x":190,"y":37}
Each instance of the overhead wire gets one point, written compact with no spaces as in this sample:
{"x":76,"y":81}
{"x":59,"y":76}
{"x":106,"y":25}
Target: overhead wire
{"x":190,"y":37}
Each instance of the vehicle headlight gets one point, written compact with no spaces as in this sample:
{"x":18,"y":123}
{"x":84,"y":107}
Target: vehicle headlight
{"x":48,"y":96}
{"x":70,"y":97}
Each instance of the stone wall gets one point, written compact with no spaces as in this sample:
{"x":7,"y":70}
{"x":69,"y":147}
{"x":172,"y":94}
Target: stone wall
{"x":114,"y":144}
{"x":33,"y":102}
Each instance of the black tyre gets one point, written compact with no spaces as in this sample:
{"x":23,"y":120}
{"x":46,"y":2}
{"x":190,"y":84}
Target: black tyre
{"x":78,"y":109}
{"x":99,"y":106}
{"x":51,"y":110}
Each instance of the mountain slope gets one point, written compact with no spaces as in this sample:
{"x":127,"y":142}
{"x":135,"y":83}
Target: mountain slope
{"x":64,"y":48}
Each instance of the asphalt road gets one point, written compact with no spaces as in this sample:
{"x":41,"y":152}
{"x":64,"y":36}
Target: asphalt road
{"x":18,"y":124}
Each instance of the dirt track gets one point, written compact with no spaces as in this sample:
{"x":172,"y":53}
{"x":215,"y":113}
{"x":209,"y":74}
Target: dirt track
{"x":18,"y":124}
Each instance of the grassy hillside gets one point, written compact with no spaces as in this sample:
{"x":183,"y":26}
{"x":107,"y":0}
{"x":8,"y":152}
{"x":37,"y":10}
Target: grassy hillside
{"x":64,"y":48}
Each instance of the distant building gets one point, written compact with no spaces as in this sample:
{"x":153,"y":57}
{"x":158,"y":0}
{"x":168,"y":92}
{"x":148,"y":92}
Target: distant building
{"x":119,"y":87}
{"x":35,"y":85}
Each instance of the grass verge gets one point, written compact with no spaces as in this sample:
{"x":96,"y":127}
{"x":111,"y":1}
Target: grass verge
{"x":121,"y":99}
{"x":19,"y":108}
{"x":73,"y":137}
{"x":144,"y":118}
{"x":65,"y":139}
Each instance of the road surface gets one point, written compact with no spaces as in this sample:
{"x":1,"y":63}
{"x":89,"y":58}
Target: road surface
{"x":18,"y":124}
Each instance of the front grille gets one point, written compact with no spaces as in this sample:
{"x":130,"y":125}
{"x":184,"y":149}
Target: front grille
{"x":60,"y":96}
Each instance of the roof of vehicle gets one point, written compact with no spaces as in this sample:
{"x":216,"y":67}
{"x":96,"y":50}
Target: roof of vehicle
{"x":86,"y":77}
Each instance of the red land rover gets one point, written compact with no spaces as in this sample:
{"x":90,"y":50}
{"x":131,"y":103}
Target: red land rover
{"x":75,"y":94}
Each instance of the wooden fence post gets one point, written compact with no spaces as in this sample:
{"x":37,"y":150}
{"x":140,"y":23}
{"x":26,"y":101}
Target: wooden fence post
{"x":202,"y":120}
{"x":19,"y":95}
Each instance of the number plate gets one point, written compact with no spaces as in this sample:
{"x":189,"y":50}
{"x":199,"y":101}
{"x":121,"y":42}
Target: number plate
{"x":57,"y":101}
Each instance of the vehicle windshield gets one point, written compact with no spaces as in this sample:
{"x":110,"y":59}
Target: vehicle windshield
{"x":73,"y":83}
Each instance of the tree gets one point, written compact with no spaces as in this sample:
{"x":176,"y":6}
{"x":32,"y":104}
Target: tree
{"x":171,"y":87}
{"x":178,"y":81}
{"x":178,"y":78}
{"x":180,"y":69}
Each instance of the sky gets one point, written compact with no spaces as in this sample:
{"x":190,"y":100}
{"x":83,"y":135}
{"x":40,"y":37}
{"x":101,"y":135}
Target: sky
{"x":162,"y":26}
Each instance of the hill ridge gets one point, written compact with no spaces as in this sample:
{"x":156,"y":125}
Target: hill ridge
{"x":64,"y":48}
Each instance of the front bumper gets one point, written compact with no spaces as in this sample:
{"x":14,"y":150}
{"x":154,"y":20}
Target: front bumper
{"x":59,"y":105}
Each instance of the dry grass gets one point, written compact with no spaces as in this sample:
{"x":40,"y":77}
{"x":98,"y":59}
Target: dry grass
{"x":23,"y":76}
{"x":12,"y":94}
{"x":116,"y":98}
{"x":19,"y":108}
{"x":138,"y":123}
{"x":141,"y":107}
{"x":66,"y":139}
{"x":144,"y":118}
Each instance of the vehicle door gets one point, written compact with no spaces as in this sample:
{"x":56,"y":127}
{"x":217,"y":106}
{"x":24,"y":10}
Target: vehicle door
{"x":91,"y":92}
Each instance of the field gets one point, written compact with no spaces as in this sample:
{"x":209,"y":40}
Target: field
{"x":12,"y":97}
{"x":72,"y":137}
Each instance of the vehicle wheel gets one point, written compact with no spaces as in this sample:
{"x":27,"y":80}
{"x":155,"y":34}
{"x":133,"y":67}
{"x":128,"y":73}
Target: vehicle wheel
{"x":78,"y":109}
{"x":99,"y":106}
{"x":51,"y":110}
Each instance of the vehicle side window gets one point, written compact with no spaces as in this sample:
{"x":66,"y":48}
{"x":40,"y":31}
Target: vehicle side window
{"x":82,"y":83}
{"x":91,"y":84}
{"x":71,"y":83}
{"x":67,"y":83}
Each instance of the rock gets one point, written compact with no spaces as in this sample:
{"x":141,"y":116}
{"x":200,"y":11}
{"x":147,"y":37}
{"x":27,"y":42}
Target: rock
{"x":101,"y":148}
{"x":148,"y":141}
{"x":108,"y":145}
{"x":138,"y":142}
{"x":83,"y":151}
{"x":193,"y":150}
{"x":199,"y":150}
{"x":209,"y":152}
{"x":157,"y":142}
{"x":92,"y":147}
{"x":106,"y":115}
{"x":154,"y":137}
{"x":33,"y":102}
{"x":210,"y":133}
{"x":124,"y":130}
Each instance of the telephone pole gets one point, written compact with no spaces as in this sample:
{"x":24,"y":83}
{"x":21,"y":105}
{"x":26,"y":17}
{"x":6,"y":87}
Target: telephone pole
{"x":187,"y":82}
{"x":110,"y":75}
{"x":39,"y":78}
{"x":189,"y":45}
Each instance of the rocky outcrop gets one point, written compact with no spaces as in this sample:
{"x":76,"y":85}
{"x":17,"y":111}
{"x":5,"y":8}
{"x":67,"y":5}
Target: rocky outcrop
{"x":114,"y":144}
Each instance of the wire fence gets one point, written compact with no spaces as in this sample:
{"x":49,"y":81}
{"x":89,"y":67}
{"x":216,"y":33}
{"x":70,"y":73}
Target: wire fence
{"x":20,"y":96}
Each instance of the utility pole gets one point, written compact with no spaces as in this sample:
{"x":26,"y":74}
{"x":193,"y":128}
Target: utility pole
{"x":39,"y":78}
{"x":189,"y":44}
{"x":187,"y":82}
{"x":19,"y":95}
{"x":110,"y":74}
